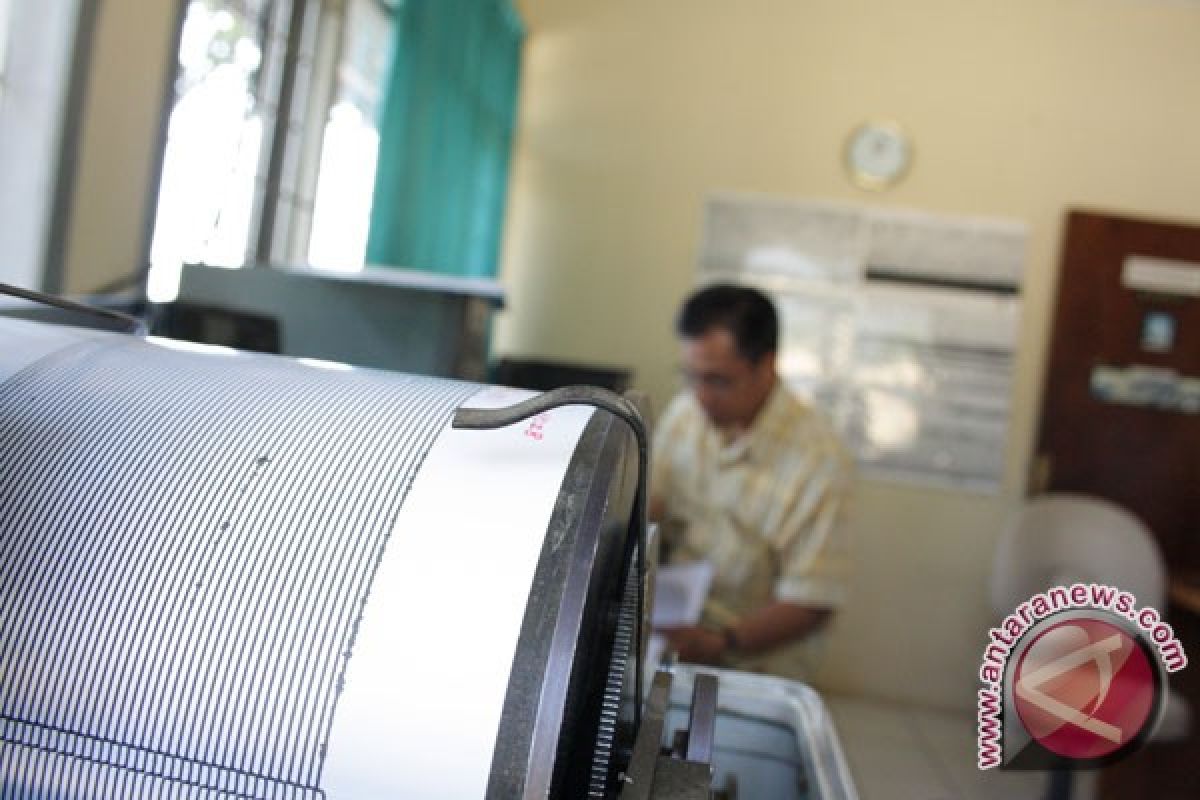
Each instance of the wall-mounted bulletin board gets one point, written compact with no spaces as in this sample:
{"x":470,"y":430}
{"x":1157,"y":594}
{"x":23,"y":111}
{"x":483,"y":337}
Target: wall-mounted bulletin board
{"x":901,"y":325}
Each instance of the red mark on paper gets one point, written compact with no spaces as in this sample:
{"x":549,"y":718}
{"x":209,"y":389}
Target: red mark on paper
{"x":536,"y":429}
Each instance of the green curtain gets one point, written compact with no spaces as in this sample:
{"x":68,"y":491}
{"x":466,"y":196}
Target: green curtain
{"x":445,"y":137}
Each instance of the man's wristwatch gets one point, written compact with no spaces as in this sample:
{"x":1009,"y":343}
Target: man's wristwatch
{"x":731,"y":642}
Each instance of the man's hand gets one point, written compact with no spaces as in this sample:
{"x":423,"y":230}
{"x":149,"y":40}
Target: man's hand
{"x":768,"y":627}
{"x":695,"y":645}
{"x":778,"y":623}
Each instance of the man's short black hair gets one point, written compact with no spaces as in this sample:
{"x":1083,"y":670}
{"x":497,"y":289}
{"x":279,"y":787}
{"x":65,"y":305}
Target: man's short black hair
{"x":746,"y":313}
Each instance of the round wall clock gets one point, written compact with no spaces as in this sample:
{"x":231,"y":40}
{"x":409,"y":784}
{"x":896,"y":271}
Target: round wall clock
{"x":877,"y":155}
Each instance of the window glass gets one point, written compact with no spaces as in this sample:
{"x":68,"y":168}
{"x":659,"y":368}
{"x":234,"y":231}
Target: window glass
{"x":212,"y":163}
{"x":342,"y":205}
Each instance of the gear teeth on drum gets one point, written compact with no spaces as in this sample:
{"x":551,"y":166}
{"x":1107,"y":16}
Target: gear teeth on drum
{"x":614,"y":685}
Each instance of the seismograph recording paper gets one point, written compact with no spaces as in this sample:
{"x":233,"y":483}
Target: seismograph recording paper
{"x":225,"y":575}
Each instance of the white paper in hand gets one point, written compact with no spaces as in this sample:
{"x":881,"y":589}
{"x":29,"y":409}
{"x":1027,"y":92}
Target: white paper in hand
{"x":679,"y":594}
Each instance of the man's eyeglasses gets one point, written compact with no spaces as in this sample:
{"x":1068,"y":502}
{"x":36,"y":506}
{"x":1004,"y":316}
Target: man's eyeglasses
{"x":710,"y":380}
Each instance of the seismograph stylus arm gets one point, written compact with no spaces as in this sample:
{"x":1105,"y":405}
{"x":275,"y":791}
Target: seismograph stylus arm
{"x":131,"y":324}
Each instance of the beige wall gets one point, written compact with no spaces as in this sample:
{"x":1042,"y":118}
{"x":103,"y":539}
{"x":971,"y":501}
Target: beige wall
{"x":631,"y":110}
{"x":119,"y":143}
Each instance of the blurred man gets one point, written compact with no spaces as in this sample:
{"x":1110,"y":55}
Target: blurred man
{"x":751,"y":479}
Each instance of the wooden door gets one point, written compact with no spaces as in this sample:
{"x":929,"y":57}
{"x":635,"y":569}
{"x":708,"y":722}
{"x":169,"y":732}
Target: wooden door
{"x":1145,"y":458}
